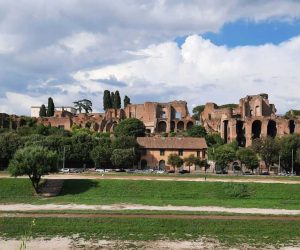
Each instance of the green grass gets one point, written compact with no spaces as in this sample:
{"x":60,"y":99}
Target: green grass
{"x":230,"y":233}
{"x":260,"y":195}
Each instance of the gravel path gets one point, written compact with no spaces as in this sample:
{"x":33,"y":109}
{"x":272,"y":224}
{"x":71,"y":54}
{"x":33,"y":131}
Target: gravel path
{"x":120,"y":207}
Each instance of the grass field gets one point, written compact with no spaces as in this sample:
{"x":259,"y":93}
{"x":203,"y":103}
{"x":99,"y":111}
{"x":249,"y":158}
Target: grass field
{"x":230,"y":233}
{"x":158,"y":193}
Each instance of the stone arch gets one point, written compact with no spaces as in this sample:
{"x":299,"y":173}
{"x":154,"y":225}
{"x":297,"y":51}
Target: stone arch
{"x":162,"y":127}
{"x":189,"y":125}
{"x":172,"y":126}
{"x":180,"y":125}
{"x":113,"y":126}
{"x":225,"y":123}
{"x":272,"y":129}
{"x":108,"y":126}
{"x":256,"y":129}
{"x":240,"y":134}
{"x":292,"y":126}
{"x":144,"y":164}
{"x":162,"y":165}
{"x":96,"y":127}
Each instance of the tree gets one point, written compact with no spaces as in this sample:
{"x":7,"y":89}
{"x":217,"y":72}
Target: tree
{"x":268,"y":149}
{"x":117,"y":100}
{"x":175,"y":161}
{"x":123,"y":158}
{"x":106,"y":100}
{"x":197,"y":111}
{"x":51,"y":107}
{"x":101,"y":155}
{"x":190,"y":161}
{"x":126,"y":101}
{"x":214,"y":139}
{"x":196,"y":131}
{"x":34,"y":161}
{"x":83,"y":104}
{"x":43,"y":111}
{"x":130,"y":127}
{"x":248,"y":157}
{"x":112,"y":100}
{"x":224,"y":155}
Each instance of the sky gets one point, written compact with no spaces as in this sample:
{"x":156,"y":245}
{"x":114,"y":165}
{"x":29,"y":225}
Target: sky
{"x":156,"y":50}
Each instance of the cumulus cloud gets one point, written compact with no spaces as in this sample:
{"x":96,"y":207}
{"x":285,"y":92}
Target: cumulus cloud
{"x":59,"y":39}
{"x":201,"y":71}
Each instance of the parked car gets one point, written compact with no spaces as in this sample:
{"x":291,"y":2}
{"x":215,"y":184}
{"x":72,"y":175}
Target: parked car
{"x":171,"y":171}
{"x":120,"y":170}
{"x":130,"y":171}
{"x":64,"y":170}
{"x":247,"y":173}
{"x":101,"y":171}
{"x":183,"y":171}
{"x":264,"y":173}
{"x":159,"y":171}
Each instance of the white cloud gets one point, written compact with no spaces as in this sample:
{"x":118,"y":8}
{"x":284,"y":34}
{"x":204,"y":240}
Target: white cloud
{"x":201,"y":71}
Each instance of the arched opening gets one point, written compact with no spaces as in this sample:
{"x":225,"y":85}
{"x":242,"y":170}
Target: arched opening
{"x":189,"y":125}
{"x":144,"y":164}
{"x":172,"y":126}
{"x":180,"y":125}
{"x":256,"y":129}
{"x":96,"y":127}
{"x":292,"y":126}
{"x":114,"y":125}
{"x":225,"y":123}
{"x":108,"y":127}
{"x":257,"y":111}
{"x":272,"y":129}
{"x":162,"y":127}
{"x":240,"y":132}
{"x":162,"y":165}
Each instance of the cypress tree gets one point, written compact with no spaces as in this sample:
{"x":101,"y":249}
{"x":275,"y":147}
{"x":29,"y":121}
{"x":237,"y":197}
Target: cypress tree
{"x":51,"y":107}
{"x":126,"y":101}
{"x":112,"y":99}
{"x":117,"y":100}
{"x":43,"y":111}
{"x":106,"y":100}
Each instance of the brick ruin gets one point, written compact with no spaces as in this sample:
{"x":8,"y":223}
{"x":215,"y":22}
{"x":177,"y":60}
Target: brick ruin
{"x":253,"y":117}
{"x":157,"y":117}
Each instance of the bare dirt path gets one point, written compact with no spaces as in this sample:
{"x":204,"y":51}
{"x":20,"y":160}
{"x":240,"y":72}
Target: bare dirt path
{"x":254,"y":179}
{"x":150,"y":216}
{"x":132,"y":207}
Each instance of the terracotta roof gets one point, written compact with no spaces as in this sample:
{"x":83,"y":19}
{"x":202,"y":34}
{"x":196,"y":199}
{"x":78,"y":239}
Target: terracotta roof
{"x":172,"y":142}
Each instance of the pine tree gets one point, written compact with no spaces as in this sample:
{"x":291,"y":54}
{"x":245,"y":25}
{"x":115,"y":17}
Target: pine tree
{"x":117,"y":100}
{"x":51,"y":107}
{"x":126,"y":101}
{"x":106,"y":100}
{"x":43,"y":111}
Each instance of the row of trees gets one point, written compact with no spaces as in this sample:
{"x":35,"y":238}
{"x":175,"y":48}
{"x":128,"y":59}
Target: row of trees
{"x":284,"y":151}
{"x":113,"y":100}
{"x":177,"y":162}
{"x":49,"y":111}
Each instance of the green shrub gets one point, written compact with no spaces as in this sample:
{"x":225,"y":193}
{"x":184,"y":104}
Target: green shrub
{"x":237,"y":190}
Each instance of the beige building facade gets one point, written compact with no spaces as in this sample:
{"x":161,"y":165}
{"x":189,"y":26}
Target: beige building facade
{"x":156,"y":150}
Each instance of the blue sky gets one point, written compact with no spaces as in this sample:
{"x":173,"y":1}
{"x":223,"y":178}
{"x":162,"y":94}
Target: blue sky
{"x":76,"y":49}
{"x":248,"y":32}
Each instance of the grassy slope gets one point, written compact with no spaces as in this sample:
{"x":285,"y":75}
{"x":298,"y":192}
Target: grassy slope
{"x":228,"y":232}
{"x":155,"y":193}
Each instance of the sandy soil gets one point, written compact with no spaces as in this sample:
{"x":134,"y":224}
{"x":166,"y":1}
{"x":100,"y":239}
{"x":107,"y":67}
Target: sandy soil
{"x":163,"y":178}
{"x":120,"y":207}
{"x":74,"y":243}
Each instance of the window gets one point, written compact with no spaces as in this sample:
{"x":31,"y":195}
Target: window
{"x":143,"y":151}
{"x":180,"y":152}
{"x":209,"y":116}
{"x":178,"y":115}
{"x":163,"y":115}
{"x":162,"y":152}
{"x":198,"y":153}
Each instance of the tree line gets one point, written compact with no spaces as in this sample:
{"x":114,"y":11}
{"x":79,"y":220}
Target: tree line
{"x":113,"y":100}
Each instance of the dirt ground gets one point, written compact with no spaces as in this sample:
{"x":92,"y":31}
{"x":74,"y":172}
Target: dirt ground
{"x":164,"y":178}
{"x":122,"y":207}
{"x":149,"y":216}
